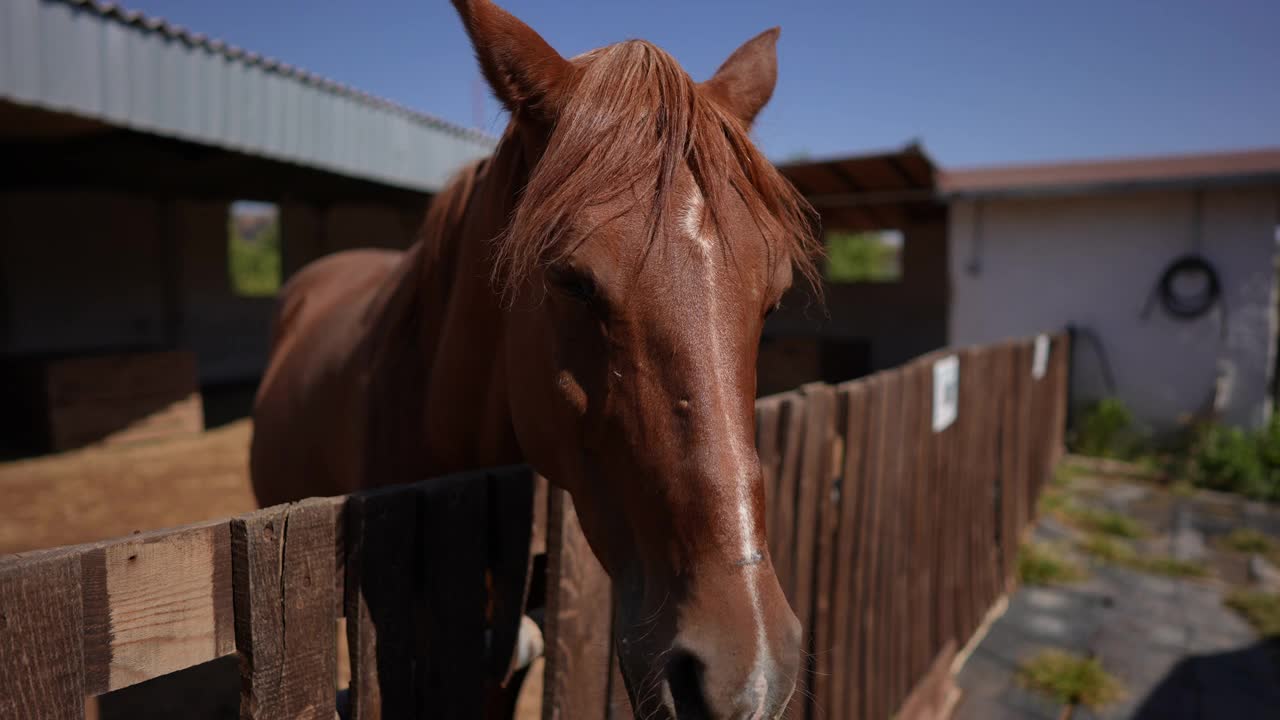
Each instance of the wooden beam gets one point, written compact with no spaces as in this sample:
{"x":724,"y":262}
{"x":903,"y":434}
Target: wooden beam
{"x":856,"y":189}
{"x":155,"y":604}
{"x":41,"y":624}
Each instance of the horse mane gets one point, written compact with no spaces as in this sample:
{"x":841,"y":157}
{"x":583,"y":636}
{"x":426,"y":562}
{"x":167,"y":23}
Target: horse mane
{"x":632,"y":120}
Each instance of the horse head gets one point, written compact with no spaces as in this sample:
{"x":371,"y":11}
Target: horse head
{"x":646,"y":247}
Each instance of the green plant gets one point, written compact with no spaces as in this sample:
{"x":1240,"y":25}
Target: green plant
{"x":1107,"y":549}
{"x":1107,"y":430}
{"x":1118,"y":552}
{"x":874,"y":256}
{"x":1170,"y":567}
{"x":1070,"y":679}
{"x":1107,"y":522}
{"x":1248,"y":540}
{"x":1053,"y":501}
{"x":1064,"y":475}
{"x":1043,"y":564}
{"x":254,"y":265}
{"x":1260,"y":609}
{"x":1229,"y":459}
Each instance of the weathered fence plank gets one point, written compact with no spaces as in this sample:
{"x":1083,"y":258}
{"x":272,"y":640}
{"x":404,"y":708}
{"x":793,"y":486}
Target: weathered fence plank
{"x":845,"y":609}
{"x":1010,"y":485}
{"x":41,"y":626}
{"x":827,"y":458}
{"x":919,"y":594}
{"x":576,"y":673}
{"x":282,"y":559}
{"x":155,"y":604}
{"x":512,"y":526}
{"x":768,"y":427}
{"x":791,"y":436}
{"x":619,"y":704}
{"x":451,"y":617}
{"x":381,"y":578}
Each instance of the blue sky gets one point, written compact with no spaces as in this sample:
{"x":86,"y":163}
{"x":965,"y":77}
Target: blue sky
{"x":976,"y":82}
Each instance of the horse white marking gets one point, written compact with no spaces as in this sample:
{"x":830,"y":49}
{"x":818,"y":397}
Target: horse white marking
{"x":743,"y":457}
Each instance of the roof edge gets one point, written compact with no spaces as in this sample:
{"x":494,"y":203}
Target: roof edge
{"x":146,"y":23}
{"x":1127,"y":173}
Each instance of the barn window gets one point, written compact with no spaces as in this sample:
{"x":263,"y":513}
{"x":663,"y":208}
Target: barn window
{"x":866,"y":256}
{"x":253,"y":248}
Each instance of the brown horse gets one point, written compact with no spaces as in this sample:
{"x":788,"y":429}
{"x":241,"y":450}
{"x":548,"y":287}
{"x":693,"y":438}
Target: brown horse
{"x":588,"y":300}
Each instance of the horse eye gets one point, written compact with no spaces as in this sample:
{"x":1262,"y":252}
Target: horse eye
{"x":575,"y":284}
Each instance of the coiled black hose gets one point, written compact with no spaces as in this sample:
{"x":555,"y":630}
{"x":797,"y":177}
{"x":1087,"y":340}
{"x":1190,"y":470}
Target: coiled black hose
{"x":1189,"y":307}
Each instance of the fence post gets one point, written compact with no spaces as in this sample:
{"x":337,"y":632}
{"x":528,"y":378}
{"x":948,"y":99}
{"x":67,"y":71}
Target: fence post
{"x":451,"y":618}
{"x":283,"y":570}
{"x":577,"y":670}
{"x":381,"y":540}
{"x":41,"y":631}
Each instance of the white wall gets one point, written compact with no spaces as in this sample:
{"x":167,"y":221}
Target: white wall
{"x":1093,"y":261}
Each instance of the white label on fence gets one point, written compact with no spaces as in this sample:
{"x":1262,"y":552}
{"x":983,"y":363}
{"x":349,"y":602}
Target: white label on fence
{"x":1040,"y":361}
{"x":946,"y":392}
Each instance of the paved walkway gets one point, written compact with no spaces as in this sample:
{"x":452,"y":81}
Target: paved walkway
{"x":1180,"y":653}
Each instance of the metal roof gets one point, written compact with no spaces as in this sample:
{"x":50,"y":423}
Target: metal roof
{"x":97,"y":60}
{"x":1234,"y":168}
{"x":877,"y":189}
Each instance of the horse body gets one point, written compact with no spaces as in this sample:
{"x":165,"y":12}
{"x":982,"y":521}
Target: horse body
{"x":588,"y":300}
{"x":384,"y":366}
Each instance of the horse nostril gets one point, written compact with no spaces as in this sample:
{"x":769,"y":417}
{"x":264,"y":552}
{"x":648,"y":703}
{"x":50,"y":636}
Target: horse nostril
{"x":684,"y":677}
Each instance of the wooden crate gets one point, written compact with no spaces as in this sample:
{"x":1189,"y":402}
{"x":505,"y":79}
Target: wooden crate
{"x":120,"y":399}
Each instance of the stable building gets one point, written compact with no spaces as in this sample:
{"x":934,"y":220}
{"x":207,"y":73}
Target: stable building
{"x":885,"y":286}
{"x":139,"y":159}
{"x":1164,"y":268}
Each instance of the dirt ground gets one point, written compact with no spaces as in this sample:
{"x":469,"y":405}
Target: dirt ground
{"x":100,"y":493}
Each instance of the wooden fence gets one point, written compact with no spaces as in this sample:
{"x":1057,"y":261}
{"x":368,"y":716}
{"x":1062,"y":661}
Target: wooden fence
{"x":431,"y":579}
{"x":891,"y":539}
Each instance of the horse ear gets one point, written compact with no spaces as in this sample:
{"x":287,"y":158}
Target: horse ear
{"x":524,"y":71}
{"x":744,"y":83}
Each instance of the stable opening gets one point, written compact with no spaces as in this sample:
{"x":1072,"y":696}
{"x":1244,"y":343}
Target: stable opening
{"x":253,"y":248}
{"x":872,"y":256}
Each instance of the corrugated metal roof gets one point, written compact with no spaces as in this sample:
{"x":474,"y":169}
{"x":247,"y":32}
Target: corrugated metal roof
{"x":1242,"y":167}
{"x":98,"y":60}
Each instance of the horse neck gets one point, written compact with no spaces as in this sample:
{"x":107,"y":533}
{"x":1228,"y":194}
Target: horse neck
{"x":467,"y":419}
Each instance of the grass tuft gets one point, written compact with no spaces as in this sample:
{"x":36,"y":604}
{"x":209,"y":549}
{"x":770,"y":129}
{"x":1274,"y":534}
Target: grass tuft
{"x":1058,"y":503}
{"x":1119,"y":552}
{"x":1064,"y":475}
{"x":1107,"y":522}
{"x":1053,"y":502}
{"x":1260,"y":609}
{"x":1070,"y":679}
{"x":1107,"y":549}
{"x":1044,"y":564}
{"x":1171,"y":567}
{"x":1248,"y":540}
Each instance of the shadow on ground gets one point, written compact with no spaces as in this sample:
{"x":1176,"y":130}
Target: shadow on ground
{"x":1235,"y":685}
